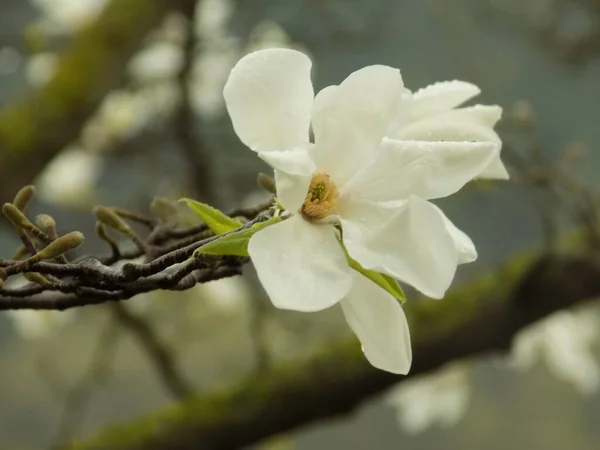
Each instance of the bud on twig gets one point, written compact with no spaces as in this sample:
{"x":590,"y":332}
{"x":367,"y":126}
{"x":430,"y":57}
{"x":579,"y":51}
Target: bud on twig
{"x":267,"y":183}
{"x":23,"y":196}
{"x":62,"y":245}
{"x":19,"y":220}
{"x":48,"y":224}
{"x":37,"y":278}
{"x":163,"y":208}
{"x":109,"y":218}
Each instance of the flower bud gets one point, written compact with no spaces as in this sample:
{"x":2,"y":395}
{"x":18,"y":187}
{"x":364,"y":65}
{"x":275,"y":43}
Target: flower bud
{"x":23,"y":196}
{"x":45,"y":222}
{"x":37,"y":278}
{"x":62,"y":245}
{"x":266,"y":182}
{"x":163,"y":208}
{"x":110,"y":219}
{"x":15,"y":215}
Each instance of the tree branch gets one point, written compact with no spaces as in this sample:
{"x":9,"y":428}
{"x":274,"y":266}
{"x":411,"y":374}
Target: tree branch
{"x":160,"y":356}
{"x":34,"y":129}
{"x":479,"y":318}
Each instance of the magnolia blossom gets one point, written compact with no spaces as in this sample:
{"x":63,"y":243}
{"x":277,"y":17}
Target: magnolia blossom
{"x":366,"y":172}
{"x":442,"y":398}
{"x":564,"y":341}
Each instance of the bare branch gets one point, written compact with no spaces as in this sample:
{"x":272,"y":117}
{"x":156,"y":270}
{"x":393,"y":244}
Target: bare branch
{"x":162,"y":357}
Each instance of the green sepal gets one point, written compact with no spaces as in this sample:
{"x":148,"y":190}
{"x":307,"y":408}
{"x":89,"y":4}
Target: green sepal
{"x":235,"y":243}
{"x":216,"y":220}
{"x":386,"y":282}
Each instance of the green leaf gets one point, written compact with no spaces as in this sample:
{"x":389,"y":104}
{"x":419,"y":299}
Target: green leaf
{"x":235,"y":243}
{"x":386,"y":282}
{"x":217,"y":221}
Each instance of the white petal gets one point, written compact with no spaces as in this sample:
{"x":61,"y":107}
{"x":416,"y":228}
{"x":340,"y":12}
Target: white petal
{"x":379,"y":322}
{"x":425,"y":169}
{"x":295,"y":161}
{"x":300,"y":265}
{"x":349,"y":120}
{"x":409,"y":242}
{"x":484,"y":114}
{"x":441,"y":128}
{"x":269,"y":97}
{"x":291,"y":189}
{"x":495,"y":171}
{"x":462,"y":243}
{"x":442,"y":96}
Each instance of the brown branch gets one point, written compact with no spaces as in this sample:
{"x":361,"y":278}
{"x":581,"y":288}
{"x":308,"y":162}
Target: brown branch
{"x":160,"y":356}
{"x":480,"y":318}
{"x":185,"y":123}
{"x":172,"y":266}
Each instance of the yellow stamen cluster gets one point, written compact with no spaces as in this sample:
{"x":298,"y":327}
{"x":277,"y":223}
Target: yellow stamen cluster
{"x":321,"y":199}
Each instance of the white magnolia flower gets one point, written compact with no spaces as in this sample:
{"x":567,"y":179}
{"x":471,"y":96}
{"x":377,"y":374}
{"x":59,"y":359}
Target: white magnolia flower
{"x":69,"y":15}
{"x":564,"y":342}
{"x":160,"y":61}
{"x":440,"y":398}
{"x":70,"y":178}
{"x":355,"y":176}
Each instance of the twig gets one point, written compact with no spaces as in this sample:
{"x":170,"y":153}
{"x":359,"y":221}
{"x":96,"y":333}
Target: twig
{"x":80,"y":396}
{"x":160,"y":356}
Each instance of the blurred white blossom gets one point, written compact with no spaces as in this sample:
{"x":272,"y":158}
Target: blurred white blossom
{"x":62,"y":16}
{"x":209,"y":74}
{"x":441,"y":398}
{"x":40,"y":68}
{"x":564,"y":341}
{"x":124,"y":113}
{"x":70,"y":178}
{"x":157,"y":62}
{"x":228,"y":294}
{"x":211,"y":19}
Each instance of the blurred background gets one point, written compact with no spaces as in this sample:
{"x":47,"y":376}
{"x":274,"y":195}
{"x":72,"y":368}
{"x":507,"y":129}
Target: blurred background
{"x":161,"y":130}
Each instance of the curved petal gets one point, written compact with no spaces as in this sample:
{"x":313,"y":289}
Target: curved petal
{"x":409,"y":242}
{"x":379,"y":322}
{"x":269,"y":97}
{"x":425,"y":169}
{"x":467,"y":253}
{"x":349,"y":120}
{"x":495,"y":171}
{"x":441,"y":128}
{"x":300,"y":265}
{"x":295,"y":161}
{"x":487,"y":115}
{"x":442,"y":96}
{"x":291,"y":189}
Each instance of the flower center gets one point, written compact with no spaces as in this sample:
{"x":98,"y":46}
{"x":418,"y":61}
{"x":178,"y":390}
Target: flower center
{"x":321,"y":199}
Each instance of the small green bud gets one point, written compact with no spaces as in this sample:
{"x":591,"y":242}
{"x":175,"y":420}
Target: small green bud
{"x":62,"y":245}
{"x":15,"y":215}
{"x":37,"y":278}
{"x":45,"y":222}
{"x":110,"y":219}
{"x":266,"y":182}
{"x":163,"y":208}
{"x":23,"y":196}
